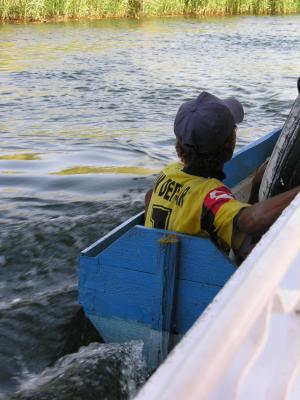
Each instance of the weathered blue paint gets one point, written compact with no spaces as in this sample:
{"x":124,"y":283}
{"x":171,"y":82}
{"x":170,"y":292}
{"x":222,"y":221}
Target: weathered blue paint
{"x":138,"y":283}
{"x":135,"y":280}
{"x":102,"y":243}
{"x":118,"y":331}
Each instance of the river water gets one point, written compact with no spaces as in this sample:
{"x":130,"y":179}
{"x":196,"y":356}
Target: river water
{"x":86,"y":114}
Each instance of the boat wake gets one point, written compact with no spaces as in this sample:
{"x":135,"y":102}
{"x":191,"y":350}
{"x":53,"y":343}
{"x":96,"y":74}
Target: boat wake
{"x":97,"y":371}
{"x":41,"y":322}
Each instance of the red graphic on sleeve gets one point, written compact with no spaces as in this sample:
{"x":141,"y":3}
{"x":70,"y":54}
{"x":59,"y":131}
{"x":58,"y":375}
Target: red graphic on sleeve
{"x":216,"y":198}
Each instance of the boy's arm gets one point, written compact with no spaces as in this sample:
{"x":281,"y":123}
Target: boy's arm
{"x":256,"y":219}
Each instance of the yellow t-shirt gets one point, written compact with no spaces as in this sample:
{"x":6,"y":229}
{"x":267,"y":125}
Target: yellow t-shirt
{"x":194,"y":205}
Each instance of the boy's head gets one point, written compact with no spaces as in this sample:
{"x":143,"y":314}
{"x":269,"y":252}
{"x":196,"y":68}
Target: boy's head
{"x":207,"y":124}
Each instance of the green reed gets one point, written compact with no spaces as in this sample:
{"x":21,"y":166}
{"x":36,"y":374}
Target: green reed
{"x":43,"y":10}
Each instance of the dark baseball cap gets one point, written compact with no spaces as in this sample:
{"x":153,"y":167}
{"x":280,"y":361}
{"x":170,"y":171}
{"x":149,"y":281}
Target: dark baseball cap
{"x":205,"y":123}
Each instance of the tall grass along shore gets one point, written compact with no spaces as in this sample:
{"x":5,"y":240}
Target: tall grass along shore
{"x":43,"y":10}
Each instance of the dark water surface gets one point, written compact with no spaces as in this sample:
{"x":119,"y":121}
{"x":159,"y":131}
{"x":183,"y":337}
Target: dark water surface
{"x":86,"y":114}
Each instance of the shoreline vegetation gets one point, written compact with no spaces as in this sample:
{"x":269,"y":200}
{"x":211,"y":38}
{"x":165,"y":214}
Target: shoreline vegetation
{"x":57,"y":10}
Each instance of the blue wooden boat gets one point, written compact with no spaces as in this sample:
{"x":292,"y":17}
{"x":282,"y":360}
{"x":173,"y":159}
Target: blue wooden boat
{"x":139,"y":283}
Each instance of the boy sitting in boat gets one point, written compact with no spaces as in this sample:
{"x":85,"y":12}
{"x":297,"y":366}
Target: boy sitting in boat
{"x":189,"y":196}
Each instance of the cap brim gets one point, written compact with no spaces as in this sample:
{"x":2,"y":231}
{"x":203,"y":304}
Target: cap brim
{"x":235,"y":108}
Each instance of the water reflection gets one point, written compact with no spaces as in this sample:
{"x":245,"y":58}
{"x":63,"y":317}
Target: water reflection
{"x":21,"y":156}
{"x":106,"y":170}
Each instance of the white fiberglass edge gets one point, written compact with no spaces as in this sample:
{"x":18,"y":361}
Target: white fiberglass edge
{"x":246,"y":345}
